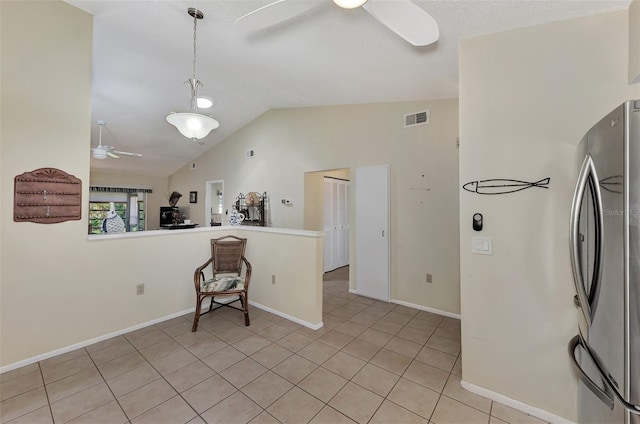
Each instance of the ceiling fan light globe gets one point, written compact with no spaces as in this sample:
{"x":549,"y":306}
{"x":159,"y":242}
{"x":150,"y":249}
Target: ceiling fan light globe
{"x":99,"y":154}
{"x":349,"y":4}
{"x":193,"y":125}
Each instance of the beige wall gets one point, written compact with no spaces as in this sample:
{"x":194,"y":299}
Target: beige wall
{"x":45,"y":120}
{"x":423,"y":171}
{"x":296,"y":263}
{"x":634,"y":42}
{"x":59,"y":288}
{"x":159,"y":197}
{"x":526,"y":99}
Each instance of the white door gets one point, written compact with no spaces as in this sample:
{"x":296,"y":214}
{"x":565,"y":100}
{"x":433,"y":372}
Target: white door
{"x":329,"y":228}
{"x":371,"y":202}
{"x":342,"y":224}
{"x":336,"y":223}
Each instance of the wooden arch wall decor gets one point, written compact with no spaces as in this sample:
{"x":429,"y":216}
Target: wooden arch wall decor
{"x":47,"y":196}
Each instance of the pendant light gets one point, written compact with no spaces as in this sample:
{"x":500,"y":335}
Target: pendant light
{"x":349,"y":4}
{"x":193,"y":125}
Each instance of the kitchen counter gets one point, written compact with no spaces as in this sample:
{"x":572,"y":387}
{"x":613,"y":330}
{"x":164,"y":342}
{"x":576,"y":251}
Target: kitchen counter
{"x":178,"y":226}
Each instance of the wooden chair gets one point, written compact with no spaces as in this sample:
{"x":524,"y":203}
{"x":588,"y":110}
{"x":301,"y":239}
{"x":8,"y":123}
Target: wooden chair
{"x":226,"y":285}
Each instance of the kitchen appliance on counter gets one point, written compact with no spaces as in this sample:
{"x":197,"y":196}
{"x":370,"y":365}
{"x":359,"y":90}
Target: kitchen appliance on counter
{"x":605,"y":259}
{"x":166,"y":215}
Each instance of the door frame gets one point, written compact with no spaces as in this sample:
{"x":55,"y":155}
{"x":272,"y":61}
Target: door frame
{"x":209,"y":200}
{"x":345,"y":226}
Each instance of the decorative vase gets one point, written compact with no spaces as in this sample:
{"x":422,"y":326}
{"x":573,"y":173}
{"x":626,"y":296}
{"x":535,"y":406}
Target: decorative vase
{"x":112,"y":223}
{"x":236,"y":217}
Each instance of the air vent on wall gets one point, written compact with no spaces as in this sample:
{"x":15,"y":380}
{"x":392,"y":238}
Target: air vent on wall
{"x":418,"y":118}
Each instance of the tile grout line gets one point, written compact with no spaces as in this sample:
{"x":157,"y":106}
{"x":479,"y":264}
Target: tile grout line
{"x":46,"y":393}
{"x":414,"y":358}
{"x":342,"y":320}
{"x":350,"y":380}
{"x":167,"y":381}
{"x":369,"y":362}
{"x":104,"y":380}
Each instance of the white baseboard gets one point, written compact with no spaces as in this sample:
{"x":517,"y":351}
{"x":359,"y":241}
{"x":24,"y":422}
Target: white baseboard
{"x":75,"y":346}
{"x":426,"y":309}
{"x":414,"y":306}
{"x":287,"y":316}
{"x":515,"y":404}
{"x":85,"y":343}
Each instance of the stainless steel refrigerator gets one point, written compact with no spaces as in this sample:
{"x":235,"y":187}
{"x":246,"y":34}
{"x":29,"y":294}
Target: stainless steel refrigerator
{"x":605,"y":257}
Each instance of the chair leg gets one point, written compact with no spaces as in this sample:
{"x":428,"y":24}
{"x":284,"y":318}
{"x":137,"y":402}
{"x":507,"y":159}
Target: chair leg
{"x":245,"y":307}
{"x":196,"y":316}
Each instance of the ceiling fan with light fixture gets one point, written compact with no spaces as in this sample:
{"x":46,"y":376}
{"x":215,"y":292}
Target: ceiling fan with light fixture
{"x":102,"y":152}
{"x":403,"y":17}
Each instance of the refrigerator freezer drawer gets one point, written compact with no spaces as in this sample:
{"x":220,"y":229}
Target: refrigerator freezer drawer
{"x":577,"y":351}
{"x":607,"y":391}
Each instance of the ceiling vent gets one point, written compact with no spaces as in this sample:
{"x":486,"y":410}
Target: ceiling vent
{"x":418,"y":118}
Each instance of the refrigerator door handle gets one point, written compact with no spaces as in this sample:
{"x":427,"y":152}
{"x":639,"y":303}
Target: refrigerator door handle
{"x":604,"y":395}
{"x":587,"y":180}
{"x":610,"y":384}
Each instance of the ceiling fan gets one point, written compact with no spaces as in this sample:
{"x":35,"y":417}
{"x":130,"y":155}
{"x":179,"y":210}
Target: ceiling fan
{"x":403,"y":17}
{"x":102,"y":152}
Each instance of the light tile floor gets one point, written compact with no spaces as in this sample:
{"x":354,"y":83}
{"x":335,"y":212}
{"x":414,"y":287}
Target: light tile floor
{"x":373,"y":362}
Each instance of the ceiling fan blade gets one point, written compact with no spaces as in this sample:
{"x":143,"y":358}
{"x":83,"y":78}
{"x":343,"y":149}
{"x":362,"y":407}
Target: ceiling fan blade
{"x":138,"y":155}
{"x":273,"y":14}
{"x":111,"y":155}
{"x":406,"y":19}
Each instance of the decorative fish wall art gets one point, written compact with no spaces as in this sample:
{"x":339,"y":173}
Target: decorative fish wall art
{"x":612,"y":184}
{"x":504,"y":186}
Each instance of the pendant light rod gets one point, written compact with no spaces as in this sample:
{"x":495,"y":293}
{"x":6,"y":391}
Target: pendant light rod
{"x":193,"y":125}
{"x":196,"y":14}
{"x":194,"y":84}
{"x":101,"y":123}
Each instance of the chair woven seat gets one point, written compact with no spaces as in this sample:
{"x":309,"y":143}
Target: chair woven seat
{"x":226,"y":284}
{"x":222,"y":284}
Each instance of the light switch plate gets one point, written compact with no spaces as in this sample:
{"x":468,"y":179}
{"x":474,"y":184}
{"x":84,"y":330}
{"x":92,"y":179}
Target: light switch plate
{"x":481,"y":245}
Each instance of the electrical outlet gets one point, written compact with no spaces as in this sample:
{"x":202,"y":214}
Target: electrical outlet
{"x":429,"y":278}
{"x":273,"y":279}
{"x":140,"y":289}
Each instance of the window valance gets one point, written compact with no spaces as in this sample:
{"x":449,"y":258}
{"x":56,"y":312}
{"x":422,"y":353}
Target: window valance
{"x":119,"y":189}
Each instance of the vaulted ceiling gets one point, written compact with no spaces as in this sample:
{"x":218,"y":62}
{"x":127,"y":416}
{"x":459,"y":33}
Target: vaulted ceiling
{"x":143,"y":52}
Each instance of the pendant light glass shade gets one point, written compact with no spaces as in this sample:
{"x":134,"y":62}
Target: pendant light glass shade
{"x":192,"y":124}
{"x":349,"y":4}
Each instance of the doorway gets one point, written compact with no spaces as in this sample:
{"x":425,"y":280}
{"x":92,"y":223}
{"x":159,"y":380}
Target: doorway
{"x":322,"y":189}
{"x":214,"y":203}
{"x":336,"y":223}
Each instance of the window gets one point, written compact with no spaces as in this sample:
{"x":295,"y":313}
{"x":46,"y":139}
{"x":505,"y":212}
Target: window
{"x":128,"y":203}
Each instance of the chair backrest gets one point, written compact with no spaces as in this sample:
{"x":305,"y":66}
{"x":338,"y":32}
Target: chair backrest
{"x":227,"y":253}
